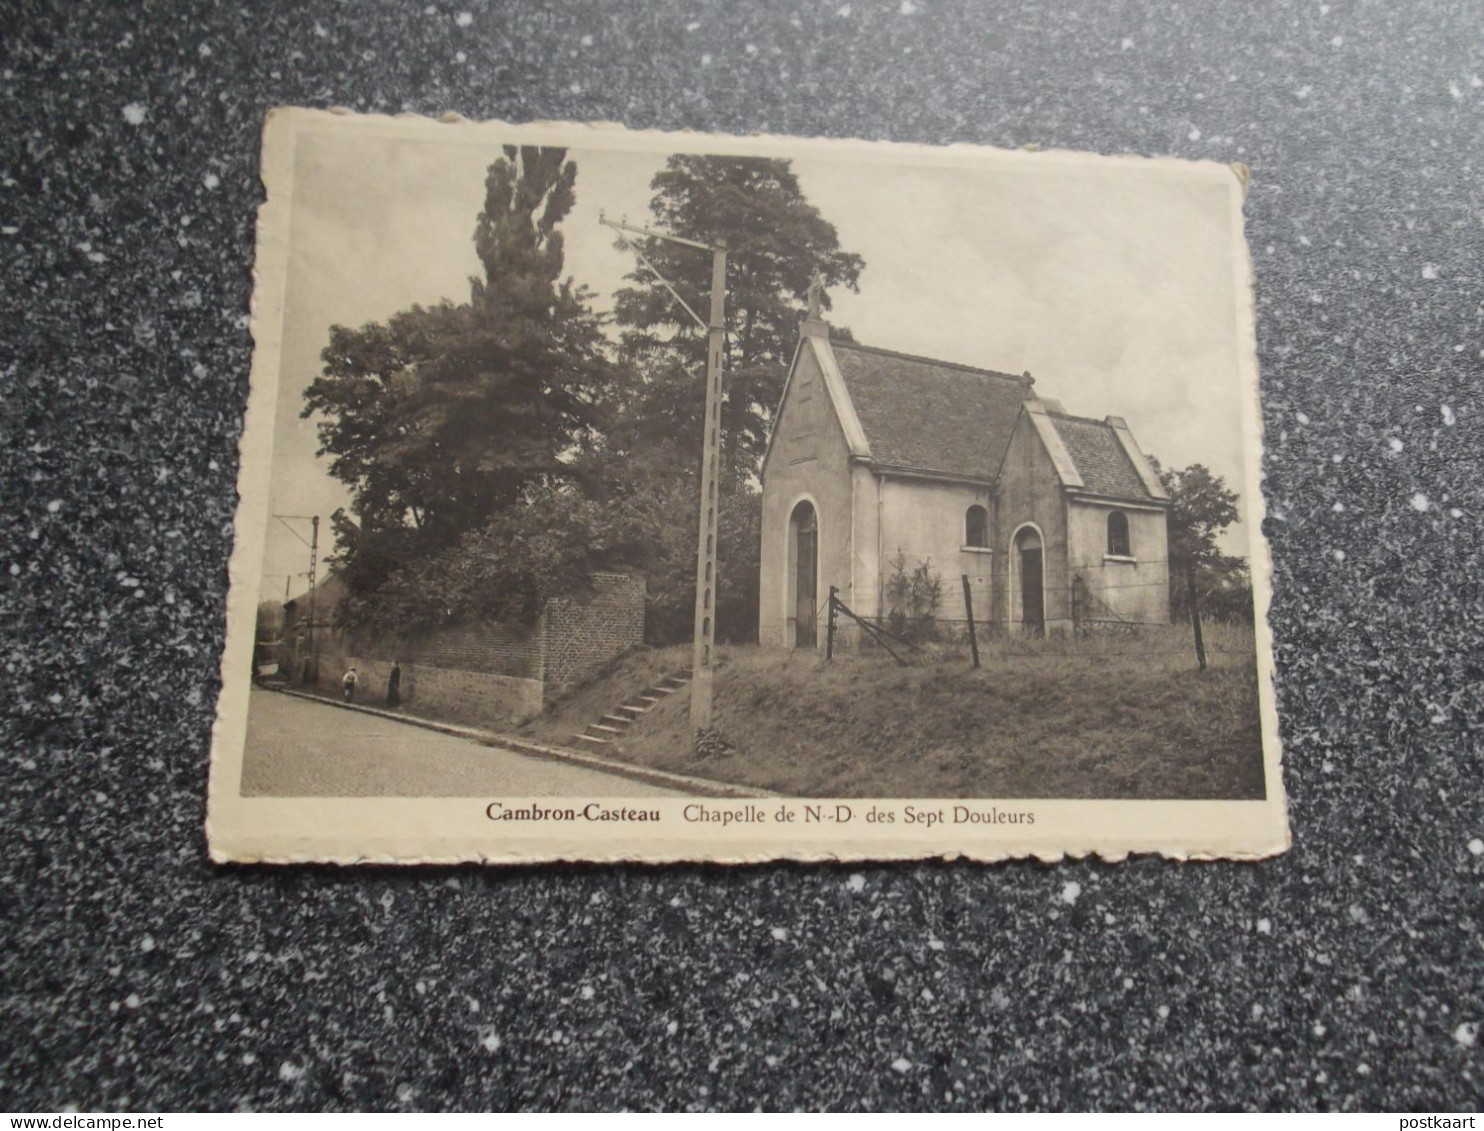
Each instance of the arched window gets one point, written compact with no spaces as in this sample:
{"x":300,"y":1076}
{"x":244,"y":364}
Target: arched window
{"x":976,"y":527}
{"x":1118,"y":544}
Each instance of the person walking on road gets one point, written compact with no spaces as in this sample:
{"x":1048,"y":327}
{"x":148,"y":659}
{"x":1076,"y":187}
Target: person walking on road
{"x":394,"y":685}
{"x":348,"y":684}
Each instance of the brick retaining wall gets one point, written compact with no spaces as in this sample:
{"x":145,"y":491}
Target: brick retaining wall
{"x":482,"y":697}
{"x":479,"y":646}
{"x":492,"y":673}
{"x":582,"y":636}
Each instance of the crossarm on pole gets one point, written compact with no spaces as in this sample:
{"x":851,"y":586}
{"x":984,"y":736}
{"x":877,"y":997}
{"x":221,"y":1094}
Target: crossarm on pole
{"x":666,"y":283}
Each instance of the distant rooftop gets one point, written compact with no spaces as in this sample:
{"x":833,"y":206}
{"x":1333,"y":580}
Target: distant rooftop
{"x":1099,"y":457}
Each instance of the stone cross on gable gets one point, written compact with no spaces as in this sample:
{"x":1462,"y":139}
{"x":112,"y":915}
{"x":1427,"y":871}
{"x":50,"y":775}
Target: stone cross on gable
{"x":816,"y":294}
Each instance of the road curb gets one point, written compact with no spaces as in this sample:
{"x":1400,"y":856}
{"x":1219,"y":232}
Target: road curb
{"x":701,"y":787}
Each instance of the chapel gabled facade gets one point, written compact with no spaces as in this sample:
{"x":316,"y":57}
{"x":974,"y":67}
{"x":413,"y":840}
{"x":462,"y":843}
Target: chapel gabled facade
{"x":875,"y":457}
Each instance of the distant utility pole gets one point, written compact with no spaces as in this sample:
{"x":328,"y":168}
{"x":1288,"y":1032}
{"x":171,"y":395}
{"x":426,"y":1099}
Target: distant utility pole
{"x":313,"y":565}
{"x":703,"y":652}
{"x":313,"y":544}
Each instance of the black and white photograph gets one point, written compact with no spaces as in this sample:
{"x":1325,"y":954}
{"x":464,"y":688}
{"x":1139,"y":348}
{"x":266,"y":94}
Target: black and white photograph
{"x":600,"y":465}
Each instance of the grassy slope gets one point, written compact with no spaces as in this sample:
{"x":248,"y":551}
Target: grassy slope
{"x":1108,"y":720}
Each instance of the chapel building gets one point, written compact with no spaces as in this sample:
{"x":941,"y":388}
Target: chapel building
{"x":875,"y":457}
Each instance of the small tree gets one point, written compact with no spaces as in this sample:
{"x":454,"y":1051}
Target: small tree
{"x":1201,"y":507}
{"x":914,"y":599}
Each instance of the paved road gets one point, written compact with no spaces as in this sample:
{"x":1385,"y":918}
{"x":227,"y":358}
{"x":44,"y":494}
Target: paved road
{"x":299,"y":748}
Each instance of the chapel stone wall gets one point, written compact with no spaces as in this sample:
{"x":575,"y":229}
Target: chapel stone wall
{"x":809,"y":459}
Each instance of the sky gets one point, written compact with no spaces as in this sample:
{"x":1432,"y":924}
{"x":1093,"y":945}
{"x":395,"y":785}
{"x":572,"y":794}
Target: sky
{"x":1115,"y":286}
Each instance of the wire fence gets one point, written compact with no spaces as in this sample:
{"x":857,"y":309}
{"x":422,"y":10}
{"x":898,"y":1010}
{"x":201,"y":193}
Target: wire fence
{"x":1085,"y":610}
{"x":948,"y":641}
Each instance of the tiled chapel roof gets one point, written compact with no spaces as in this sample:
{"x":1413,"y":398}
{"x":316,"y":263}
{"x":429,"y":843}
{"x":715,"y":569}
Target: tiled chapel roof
{"x":924,"y":415}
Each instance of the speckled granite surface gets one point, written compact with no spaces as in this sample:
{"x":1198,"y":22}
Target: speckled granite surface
{"x":1346,"y":974}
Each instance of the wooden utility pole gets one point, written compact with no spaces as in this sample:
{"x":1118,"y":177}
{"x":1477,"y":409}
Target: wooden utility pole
{"x":313,"y":564}
{"x":313,"y":545}
{"x":703,"y":652}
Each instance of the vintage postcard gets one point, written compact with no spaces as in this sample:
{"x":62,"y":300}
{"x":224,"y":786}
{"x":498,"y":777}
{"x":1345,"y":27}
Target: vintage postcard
{"x":610,"y":495}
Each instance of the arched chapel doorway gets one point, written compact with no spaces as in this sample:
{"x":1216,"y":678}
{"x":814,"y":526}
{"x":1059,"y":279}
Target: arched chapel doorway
{"x":803,"y":574}
{"x":1029,"y":565}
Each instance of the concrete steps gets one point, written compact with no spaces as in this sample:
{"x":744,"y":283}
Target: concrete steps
{"x":635,"y":707}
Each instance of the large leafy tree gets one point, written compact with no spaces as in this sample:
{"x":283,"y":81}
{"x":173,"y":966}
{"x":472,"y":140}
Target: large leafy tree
{"x":776,"y":241}
{"x":445,"y":419}
{"x":657,"y":512}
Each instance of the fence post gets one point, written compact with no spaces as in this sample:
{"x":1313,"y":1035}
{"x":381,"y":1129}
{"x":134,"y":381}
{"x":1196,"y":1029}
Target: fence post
{"x":1195,"y":615}
{"x":969,"y":612}
{"x":829,"y":639}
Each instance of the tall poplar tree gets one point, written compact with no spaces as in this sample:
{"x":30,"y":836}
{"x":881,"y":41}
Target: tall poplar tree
{"x":445,"y":419}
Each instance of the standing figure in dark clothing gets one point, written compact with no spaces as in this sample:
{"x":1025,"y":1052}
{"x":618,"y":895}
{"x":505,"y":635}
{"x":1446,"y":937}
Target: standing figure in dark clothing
{"x":394,"y":686}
